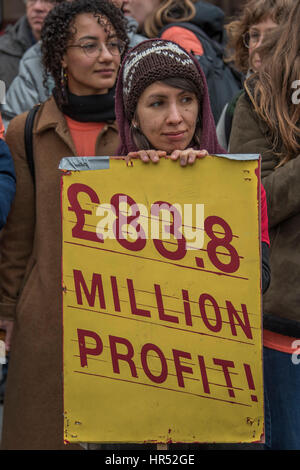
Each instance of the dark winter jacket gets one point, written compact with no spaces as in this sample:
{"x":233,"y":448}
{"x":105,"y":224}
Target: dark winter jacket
{"x":281,"y":301}
{"x":223,"y":81}
{"x":210,"y":19}
{"x":14,"y":42}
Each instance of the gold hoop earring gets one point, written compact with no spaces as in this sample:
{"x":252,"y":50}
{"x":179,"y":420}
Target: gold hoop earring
{"x":63,"y":81}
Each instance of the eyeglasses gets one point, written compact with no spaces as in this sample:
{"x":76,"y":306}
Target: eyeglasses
{"x":93,"y":49}
{"x":252,"y":38}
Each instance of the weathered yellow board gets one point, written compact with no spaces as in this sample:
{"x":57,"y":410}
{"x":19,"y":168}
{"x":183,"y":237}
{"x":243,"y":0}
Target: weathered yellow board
{"x":162,"y":337}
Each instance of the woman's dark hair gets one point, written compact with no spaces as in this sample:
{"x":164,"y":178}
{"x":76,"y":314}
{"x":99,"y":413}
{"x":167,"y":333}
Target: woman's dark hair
{"x":176,"y":82}
{"x":58,"y":30}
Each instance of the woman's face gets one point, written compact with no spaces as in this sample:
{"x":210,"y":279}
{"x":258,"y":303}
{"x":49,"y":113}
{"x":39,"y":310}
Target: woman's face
{"x":167,"y":116}
{"x":91,"y":73}
{"x":257,"y":33}
{"x":139,"y":9}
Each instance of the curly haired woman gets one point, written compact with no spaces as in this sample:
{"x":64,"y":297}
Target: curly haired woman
{"x":82,"y":44}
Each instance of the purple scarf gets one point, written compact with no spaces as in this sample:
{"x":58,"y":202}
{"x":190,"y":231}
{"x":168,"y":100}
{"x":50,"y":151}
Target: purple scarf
{"x":209,"y":139}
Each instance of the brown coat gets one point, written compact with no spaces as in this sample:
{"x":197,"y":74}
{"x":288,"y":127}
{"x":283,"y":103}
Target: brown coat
{"x":30,"y":280}
{"x":282,"y":300}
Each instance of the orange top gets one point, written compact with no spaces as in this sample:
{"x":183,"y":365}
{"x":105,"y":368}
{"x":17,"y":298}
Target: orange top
{"x":185,"y":38}
{"x":279,"y":342}
{"x":84,"y":135}
{"x":2,"y":130}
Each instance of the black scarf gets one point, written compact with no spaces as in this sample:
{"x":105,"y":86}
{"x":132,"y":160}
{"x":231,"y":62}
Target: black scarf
{"x":91,"y":108}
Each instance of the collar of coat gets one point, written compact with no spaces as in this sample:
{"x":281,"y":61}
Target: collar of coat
{"x":50,"y":117}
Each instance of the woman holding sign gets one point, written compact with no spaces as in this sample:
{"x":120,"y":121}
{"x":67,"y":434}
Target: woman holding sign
{"x":163,"y":108}
{"x":82,"y":45}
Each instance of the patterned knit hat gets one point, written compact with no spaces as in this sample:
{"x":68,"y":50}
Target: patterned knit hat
{"x":152,"y":61}
{"x":149,"y":61}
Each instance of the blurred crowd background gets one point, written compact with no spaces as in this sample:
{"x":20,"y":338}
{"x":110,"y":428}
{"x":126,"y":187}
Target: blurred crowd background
{"x":12,"y":10}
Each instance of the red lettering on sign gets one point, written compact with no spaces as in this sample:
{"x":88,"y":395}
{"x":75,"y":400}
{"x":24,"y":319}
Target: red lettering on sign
{"x":216,"y":242}
{"x":164,"y":367}
{"x":125,"y":221}
{"x":77,"y":231}
{"x":202,"y":304}
{"x":209,"y":309}
{"x":131,"y":220}
{"x":244,"y":324}
{"x":134,"y":309}
{"x":117,"y":356}
{"x":205,"y":382}
{"x":187,"y":307}
{"x":154,"y":363}
{"x":250,"y":381}
{"x":160,"y":306}
{"x":179,"y":367}
{"x":225,"y":366}
{"x":84,"y":351}
{"x":90,"y":296}
{"x":115,"y":291}
{"x":173,"y":230}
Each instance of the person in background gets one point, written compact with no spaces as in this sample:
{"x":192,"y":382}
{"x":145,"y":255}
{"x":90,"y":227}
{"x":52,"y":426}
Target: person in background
{"x":21,"y":36}
{"x":245,"y":34}
{"x":197,"y":26}
{"x":28,"y":89}
{"x":82,"y":45}
{"x":132,"y":26}
{"x":267,"y":121}
{"x":153,"y":15}
{"x":7,"y":178}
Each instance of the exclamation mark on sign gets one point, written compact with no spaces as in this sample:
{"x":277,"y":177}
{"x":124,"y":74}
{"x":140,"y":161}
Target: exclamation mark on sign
{"x":250,"y":381}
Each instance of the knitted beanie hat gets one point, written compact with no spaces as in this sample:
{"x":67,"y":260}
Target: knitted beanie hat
{"x":152,"y":61}
{"x":155,"y":60}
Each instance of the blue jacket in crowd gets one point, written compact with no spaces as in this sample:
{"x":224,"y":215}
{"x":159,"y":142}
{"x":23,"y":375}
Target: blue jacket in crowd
{"x":7,"y":182}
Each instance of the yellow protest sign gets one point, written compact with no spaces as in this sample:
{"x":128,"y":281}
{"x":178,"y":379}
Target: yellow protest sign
{"x":162,"y":302}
